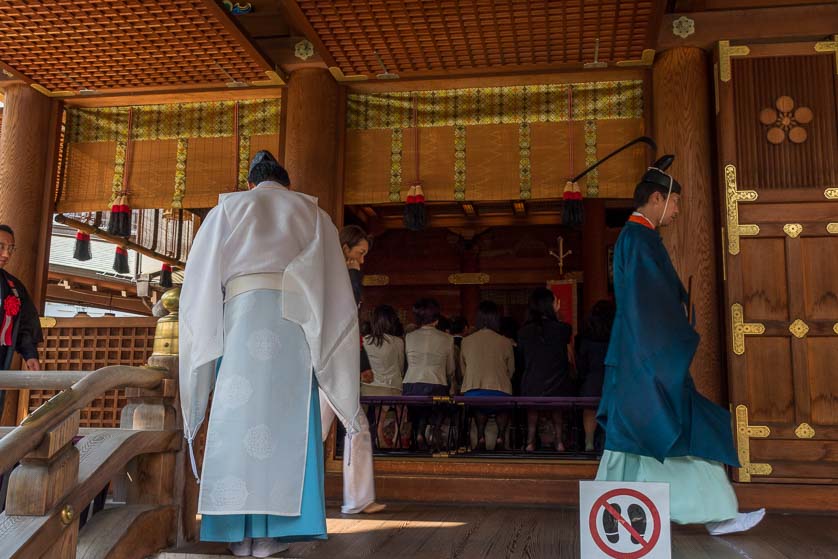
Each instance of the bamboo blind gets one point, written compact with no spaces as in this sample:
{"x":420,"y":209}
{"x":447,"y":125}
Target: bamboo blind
{"x":493,"y":143}
{"x":165,"y":156}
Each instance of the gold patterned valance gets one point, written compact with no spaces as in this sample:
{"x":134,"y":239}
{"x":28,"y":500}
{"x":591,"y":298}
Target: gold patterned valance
{"x":176,"y":155}
{"x":496,"y":105}
{"x":212,"y":119}
{"x":492,"y":143}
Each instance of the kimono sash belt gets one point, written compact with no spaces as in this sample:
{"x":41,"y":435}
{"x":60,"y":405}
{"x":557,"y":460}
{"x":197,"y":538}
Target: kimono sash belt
{"x":252,"y":282}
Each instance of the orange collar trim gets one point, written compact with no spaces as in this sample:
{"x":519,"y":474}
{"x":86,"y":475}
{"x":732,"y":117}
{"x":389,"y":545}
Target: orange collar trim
{"x":642,"y":221}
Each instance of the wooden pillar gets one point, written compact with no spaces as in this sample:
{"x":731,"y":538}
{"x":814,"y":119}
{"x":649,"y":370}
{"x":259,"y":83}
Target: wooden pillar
{"x":27,"y":170}
{"x":682,"y":105}
{"x":594,"y":257}
{"x":313,"y":137}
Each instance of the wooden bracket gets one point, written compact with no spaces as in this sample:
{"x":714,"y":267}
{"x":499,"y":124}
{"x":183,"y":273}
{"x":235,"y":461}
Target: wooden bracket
{"x":340,"y":77}
{"x":647,"y":58}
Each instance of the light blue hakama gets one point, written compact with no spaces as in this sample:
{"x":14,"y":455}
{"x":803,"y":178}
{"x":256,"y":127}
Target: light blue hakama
{"x":699,"y":491}
{"x":256,"y":383}
{"x":311,"y":524}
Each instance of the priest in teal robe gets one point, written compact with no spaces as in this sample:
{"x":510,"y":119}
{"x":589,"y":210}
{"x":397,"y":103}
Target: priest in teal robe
{"x":658,"y":427}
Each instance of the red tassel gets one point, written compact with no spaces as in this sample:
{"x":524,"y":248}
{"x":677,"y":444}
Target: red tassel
{"x":120,"y":261}
{"x":120,"y":221}
{"x":82,"y":248}
{"x":166,"y":276}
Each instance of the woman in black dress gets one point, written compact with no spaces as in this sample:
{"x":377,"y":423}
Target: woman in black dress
{"x":591,"y":347}
{"x":545,"y":344}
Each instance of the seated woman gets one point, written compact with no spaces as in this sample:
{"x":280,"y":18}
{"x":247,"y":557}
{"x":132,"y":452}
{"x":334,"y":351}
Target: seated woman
{"x":591,"y":347}
{"x":487,"y":361}
{"x":385,"y":349}
{"x":430,"y":367}
{"x":545,"y":346}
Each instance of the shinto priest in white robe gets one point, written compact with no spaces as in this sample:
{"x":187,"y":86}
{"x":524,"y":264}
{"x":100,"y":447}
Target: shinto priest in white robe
{"x":256,"y":455}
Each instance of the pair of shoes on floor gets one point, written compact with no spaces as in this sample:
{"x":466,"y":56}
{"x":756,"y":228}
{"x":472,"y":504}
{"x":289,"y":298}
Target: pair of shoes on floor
{"x":260,"y":547}
{"x":742,"y":522}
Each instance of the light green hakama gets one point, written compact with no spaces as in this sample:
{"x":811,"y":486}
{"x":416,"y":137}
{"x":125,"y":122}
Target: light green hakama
{"x":699,"y":491}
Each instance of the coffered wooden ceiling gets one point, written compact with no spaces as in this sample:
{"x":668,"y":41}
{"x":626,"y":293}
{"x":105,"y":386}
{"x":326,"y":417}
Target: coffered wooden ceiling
{"x":70,"y":46}
{"x":423,"y":37}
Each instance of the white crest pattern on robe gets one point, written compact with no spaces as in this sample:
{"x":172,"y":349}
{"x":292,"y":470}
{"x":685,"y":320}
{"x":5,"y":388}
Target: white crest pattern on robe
{"x":268,"y":229}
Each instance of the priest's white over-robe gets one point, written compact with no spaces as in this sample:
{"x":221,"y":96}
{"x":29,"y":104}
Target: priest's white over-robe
{"x":267,"y":230}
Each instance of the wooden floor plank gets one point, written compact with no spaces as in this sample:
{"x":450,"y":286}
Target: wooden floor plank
{"x":433,"y":531}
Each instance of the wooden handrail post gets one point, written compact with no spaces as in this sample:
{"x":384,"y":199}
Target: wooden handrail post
{"x":154,"y":479}
{"x":44,"y":478}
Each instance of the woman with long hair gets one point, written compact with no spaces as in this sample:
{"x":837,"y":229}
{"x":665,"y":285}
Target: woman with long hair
{"x":545,"y":344}
{"x":385,"y":349}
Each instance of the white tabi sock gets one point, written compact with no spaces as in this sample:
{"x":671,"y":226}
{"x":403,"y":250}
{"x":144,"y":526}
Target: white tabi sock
{"x":265,"y":547}
{"x":242,"y":548}
{"x":743,"y":522}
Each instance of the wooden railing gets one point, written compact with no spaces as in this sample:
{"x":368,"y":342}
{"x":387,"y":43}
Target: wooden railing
{"x":63,"y":408}
{"x":57,"y":470}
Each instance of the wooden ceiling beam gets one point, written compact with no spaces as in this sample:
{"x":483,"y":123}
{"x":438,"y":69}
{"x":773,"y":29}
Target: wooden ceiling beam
{"x":153,"y":96}
{"x":499,"y":79}
{"x":295,"y":18}
{"x":762,"y":24}
{"x":232,"y":27}
{"x":57,"y":293}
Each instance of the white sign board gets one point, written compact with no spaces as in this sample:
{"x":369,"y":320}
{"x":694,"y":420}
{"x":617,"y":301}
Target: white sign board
{"x":622,"y":520}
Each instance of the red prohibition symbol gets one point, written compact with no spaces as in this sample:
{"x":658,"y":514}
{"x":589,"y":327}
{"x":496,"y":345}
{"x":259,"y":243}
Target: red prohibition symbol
{"x":646,"y":546}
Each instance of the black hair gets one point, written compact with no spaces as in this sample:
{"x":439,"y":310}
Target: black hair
{"x":488,"y":316}
{"x":654,"y":181}
{"x":425,"y":311}
{"x":7,"y":229}
{"x":444,"y":325}
{"x":541,"y":308}
{"x":385,"y":321}
{"x":365,"y":327}
{"x":459,"y":324}
{"x":600,"y":320}
{"x":265,"y":167}
{"x":351,"y":235}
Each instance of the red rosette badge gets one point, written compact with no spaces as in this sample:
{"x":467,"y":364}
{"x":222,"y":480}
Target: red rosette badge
{"x":11,"y":306}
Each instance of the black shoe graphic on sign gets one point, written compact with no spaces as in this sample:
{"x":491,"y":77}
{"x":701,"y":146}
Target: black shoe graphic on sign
{"x":637,"y":518}
{"x":610,"y":525}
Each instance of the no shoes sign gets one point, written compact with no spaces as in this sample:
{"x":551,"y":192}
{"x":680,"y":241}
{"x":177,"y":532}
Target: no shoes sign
{"x":621,"y":520}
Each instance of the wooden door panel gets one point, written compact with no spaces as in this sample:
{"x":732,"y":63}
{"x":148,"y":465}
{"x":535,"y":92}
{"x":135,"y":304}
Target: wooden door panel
{"x":821,"y":213}
{"x":798,"y":458}
{"x":820,"y":277}
{"x":802,"y":81}
{"x":764,"y":282}
{"x":781,"y":257}
{"x":823,"y":380}
{"x":769,"y":379}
